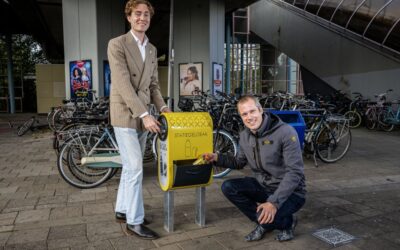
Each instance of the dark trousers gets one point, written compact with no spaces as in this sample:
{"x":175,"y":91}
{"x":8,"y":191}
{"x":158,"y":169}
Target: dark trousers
{"x":246,"y":192}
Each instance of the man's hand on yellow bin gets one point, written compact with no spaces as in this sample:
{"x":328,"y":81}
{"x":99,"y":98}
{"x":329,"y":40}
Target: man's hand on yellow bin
{"x":210,"y":157}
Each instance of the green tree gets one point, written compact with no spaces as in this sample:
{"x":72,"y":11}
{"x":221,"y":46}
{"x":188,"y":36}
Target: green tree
{"x":26,"y":52}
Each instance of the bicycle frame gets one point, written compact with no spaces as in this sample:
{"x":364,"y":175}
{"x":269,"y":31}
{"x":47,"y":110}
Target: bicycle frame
{"x":108,"y":160}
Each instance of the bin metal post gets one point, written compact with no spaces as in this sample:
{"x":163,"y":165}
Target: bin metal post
{"x":200,"y":206}
{"x":169,"y":211}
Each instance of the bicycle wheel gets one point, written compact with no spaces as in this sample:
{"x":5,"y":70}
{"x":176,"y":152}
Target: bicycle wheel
{"x":50,"y":118}
{"x":223,"y":143}
{"x":26,"y":126}
{"x":154,"y":147}
{"x":148,"y":152}
{"x":332,"y":142}
{"x":383,"y":120}
{"x":72,"y":171}
{"x":354,"y":118}
{"x":370,"y":119}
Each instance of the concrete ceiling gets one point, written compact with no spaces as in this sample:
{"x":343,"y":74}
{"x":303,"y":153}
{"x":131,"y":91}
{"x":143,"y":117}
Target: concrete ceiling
{"x":43,"y":20}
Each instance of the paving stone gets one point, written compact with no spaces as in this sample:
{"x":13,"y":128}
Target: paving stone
{"x":103,"y":230}
{"x":131,"y":242}
{"x":40,"y":193}
{"x":79,"y":197}
{"x":376,"y":243}
{"x":67,"y":243}
{"x":3,"y":238}
{"x":14,"y":196}
{"x":65,"y":212}
{"x":98,"y":245}
{"x":103,"y":208}
{"x":59,"y":199}
{"x":169,"y":247}
{"x":235,"y":240}
{"x":172,"y":238}
{"x":27,"y":236}
{"x":7,"y":228}
{"x":32,"y":215}
{"x":65,"y":232}
{"x":382,"y":223}
{"x":20,"y":205}
{"x":207,"y":231}
{"x":8,"y":190}
{"x":37,"y":245}
{"x":203,"y":243}
{"x":7,"y":218}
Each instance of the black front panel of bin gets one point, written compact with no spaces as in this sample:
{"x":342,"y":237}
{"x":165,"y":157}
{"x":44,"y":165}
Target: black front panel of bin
{"x":191,"y":175}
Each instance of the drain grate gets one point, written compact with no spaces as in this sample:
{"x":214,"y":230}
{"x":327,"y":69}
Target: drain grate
{"x":333,"y":236}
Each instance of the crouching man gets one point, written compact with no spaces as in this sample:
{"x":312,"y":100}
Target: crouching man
{"x":272,"y":150}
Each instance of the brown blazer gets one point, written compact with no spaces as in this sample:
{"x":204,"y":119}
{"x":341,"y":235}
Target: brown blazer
{"x":134,"y":83}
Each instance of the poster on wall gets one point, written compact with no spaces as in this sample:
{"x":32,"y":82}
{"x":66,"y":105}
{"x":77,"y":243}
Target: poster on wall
{"x":190,"y":79}
{"x":80,"y":78}
{"x":107,"y":78}
{"x":217,"y":78}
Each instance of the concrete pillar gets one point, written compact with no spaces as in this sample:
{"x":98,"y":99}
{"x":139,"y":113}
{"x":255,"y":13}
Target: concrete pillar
{"x":11,"y":95}
{"x":198,"y":36}
{"x":88,"y":26}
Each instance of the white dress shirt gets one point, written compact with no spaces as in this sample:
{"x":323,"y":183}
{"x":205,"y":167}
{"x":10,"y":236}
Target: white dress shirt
{"x":142,"y":49}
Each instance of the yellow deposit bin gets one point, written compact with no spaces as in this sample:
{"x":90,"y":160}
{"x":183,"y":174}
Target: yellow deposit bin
{"x":184,"y":137}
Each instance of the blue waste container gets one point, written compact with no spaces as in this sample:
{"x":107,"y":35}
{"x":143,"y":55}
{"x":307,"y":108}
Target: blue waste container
{"x":295,"y":119}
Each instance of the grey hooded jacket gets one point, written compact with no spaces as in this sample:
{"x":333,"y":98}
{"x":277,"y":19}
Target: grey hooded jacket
{"x":274,"y":155}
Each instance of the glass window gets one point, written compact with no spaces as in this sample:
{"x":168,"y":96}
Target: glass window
{"x":364,"y":14}
{"x":345,"y":11}
{"x":313,"y":6}
{"x":328,"y":8}
{"x":383,"y":22}
{"x":393,"y":40}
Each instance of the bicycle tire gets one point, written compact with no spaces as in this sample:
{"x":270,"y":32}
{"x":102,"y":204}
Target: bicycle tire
{"x":370,"y":120}
{"x":154,"y":147}
{"x":148,"y":155}
{"x":223,"y":142}
{"x":75,"y":174}
{"x":25,"y":126}
{"x":329,"y":148}
{"x":383,"y":118}
{"x":354,"y":118}
{"x":50,"y":118}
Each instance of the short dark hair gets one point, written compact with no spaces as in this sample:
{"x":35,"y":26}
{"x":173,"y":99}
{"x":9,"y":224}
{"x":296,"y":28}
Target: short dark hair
{"x":246,"y":98}
{"x":131,"y":4}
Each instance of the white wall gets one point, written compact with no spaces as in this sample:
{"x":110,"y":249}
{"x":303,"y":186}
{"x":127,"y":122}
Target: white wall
{"x":198,"y":35}
{"x":88,"y":26}
{"x":341,"y":62}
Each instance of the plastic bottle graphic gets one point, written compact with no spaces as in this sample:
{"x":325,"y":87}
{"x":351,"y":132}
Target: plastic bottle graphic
{"x":188,"y":148}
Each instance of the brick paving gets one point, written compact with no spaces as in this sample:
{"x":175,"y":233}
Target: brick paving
{"x":38,"y":210}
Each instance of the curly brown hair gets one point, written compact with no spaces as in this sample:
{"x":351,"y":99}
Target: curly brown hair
{"x":131,"y":4}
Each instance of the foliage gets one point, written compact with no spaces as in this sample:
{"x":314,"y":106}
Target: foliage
{"x":26,"y":53}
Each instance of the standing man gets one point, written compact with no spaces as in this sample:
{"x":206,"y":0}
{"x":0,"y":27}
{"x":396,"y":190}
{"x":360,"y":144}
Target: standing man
{"x":271,"y":149}
{"x":134,"y":77}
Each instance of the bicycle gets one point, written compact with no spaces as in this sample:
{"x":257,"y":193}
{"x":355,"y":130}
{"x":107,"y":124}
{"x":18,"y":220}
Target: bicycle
{"x":30,"y":124}
{"x":373,"y":114}
{"x":389,"y":118}
{"x":88,"y":157}
{"x":328,"y":138}
{"x":356,"y":110}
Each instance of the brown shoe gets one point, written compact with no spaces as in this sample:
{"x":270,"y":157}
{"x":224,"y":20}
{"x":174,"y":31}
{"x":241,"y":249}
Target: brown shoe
{"x":141,"y":231}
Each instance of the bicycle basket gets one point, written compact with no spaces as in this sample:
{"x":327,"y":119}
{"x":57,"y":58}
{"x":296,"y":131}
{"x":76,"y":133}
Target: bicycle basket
{"x":185,"y":104}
